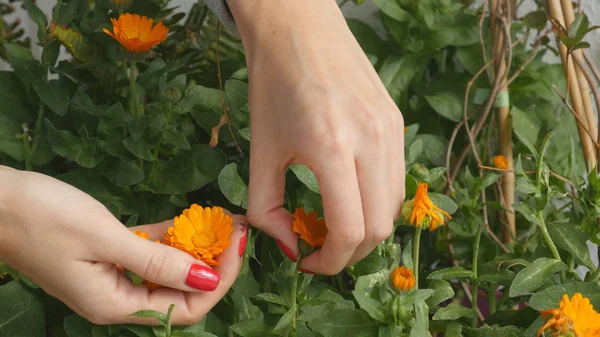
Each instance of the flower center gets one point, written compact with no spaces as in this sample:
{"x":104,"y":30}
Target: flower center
{"x":204,"y":239}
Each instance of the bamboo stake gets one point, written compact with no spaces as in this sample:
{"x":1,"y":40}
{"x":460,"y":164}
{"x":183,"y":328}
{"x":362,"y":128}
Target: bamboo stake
{"x":589,"y":152}
{"x":584,"y":88}
{"x":504,"y":123}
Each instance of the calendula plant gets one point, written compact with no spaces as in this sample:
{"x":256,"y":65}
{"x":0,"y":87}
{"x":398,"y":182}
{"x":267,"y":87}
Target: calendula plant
{"x":149,"y":114}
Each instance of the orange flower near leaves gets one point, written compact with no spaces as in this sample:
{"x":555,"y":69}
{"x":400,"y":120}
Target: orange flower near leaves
{"x":422,"y":212}
{"x":573,"y":315}
{"x":143,"y":235}
{"x":136,"y":33}
{"x":311,"y":229}
{"x":403,"y":278}
{"x":500,"y":162}
{"x":202,"y":232}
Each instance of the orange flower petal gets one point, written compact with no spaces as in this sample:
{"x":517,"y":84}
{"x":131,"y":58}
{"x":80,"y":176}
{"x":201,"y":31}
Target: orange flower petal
{"x":136,"y":34}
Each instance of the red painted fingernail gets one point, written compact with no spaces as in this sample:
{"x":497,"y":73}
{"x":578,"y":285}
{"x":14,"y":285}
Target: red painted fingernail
{"x":243,"y":241}
{"x":306,"y":271}
{"x":288,"y":252}
{"x":202,"y":278}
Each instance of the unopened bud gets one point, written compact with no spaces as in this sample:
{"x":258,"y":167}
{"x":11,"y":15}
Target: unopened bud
{"x":420,"y":172}
{"x":170,"y":95}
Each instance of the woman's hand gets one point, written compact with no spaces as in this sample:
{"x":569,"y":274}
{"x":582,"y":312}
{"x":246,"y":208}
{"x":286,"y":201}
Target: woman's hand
{"x":69,"y":243}
{"x":316,"y":100}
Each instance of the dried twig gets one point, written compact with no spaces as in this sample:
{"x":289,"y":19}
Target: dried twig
{"x":581,"y":123}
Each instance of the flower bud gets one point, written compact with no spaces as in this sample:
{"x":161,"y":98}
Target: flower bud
{"x":120,"y":5}
{"x":170,"y":95}
{"x":419,"y":171}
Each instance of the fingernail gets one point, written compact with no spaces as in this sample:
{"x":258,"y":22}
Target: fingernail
{"x":306,"y":271}
{"x":202,"y":278}
{"x":288,"y":252}
{"x":243,"y":241}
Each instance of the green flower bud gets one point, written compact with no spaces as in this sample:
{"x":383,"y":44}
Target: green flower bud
{"x":170,"y":95}
{"x":419,"y":171}
{"x":406,"y":210}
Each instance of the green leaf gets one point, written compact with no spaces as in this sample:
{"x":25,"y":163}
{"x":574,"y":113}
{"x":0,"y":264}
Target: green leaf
{"x":527,"y":212}
{"x":414,"y":151}
{"x":76,"y":326}
{"x":525,"y":186}
{"x":253,"y":328}
{"x":340,"y":322}
{"x":122,"y":172}
{"x":371,"y":264}
{"x":233,"y":187}
{"x":450,"y":273}
{"x":397,"y":72}
{"x":306,"y":176}
{"x":38,"y":17}
{"x":185,"y":172}
{"x":526,"y":124}
{"x":447,"y":103}
{"x":421,"y":328}
{"x":527,"y":143}
{"x":442,"y":291}
{"x":273,"y":298}
{"x":82,"y":103}
{"x":245,"y":133}
{"x":203,"y":98}
{"x":73,"y":148}
{"x":535,"y":275}
{"x":159,"y":316}
{"x":21,"y":313}
{"x":55,"y":96}
{"x":177,"y":139}
{"x":536,"y":20}
{"x":139,"y":330}
{"x":417,"y":296}
{"x":373,"y":307}
{"x":141,"y":149}
{"x":549,"y":298}
{"x":407,"y":258}
{"x":579,"y":27}
{"x":285,"y":322}
{"x":566,"y":237}
{"x":444,"y":202}
{"x":496,"y":331}
{"x":393,"y":10}
{"x":453,"y":312}
{"x":497,"y":276}
{"x":28,"y":69}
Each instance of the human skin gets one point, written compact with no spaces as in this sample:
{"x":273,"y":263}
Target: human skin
{"x":316,"y":100}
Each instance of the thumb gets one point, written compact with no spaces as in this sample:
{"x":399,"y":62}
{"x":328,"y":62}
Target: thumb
{"x":163,"y":264}
{"x":265,"y":203}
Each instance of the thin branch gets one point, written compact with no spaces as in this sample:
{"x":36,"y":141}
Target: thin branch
{"x":574,"y":113}
{"x":592,"y":66}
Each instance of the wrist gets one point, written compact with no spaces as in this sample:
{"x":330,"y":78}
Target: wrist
{"x":6,"y":210}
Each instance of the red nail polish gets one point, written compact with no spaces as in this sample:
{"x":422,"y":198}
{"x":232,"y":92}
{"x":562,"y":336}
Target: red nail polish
{"x":306,"y":271}
{"x":243,"y":241}
{"x":202,"y":278}
{"x":288,"y":252}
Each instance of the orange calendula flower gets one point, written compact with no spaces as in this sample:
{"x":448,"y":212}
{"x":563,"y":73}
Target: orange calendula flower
{"x":202,"y":232}
{"x":311,"y":229}
{"x":575,"y":315}
{"x":143,"y":235}
{"x":500,"y":162}
{"x":136,"y":34}
{"x":422,"y":212}
{"x":403,"y":278}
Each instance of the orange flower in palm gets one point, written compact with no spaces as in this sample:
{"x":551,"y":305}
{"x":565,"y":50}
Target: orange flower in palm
{"x":136,"y":34}
{"x":202,"y":232}
{"x":573,"y":315}
{"x":422,"y":212}
{"x":500,"y":162}
{"x":311,"y":229}
{"x":403,"y":278}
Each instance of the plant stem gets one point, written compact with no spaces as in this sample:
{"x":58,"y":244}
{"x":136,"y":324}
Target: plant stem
{"x":416,"y":244}
{"x":38,"y":126}
{"x":596,"y":275}
{"x":295,"y":293}
{"x":133,"y":99}
{"x":475,"y":284}
{"x":492,"y":297}
{"x":27,"y":149}
{"x":549,"y":241}
{"x":169,"y":315}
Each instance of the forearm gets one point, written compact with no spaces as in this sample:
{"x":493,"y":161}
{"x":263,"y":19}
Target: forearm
{"x":7,"y":179}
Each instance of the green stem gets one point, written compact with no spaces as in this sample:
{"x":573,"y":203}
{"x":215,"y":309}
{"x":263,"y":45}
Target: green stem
{"x":492,"y":297}
{"x":549,"y":241}
{"x":133,"y":99}
{"x":169,"y":316}
{"x":416,"y":244}
{"x":596,"y":275}
{"x":38,"y":126}
{"x":27,"y":149}
{"x":475,"y":284}
{"x":295,"y":293}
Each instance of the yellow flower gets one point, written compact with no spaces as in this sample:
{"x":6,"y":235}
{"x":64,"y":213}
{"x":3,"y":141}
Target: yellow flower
{"x":573,"y":315}
{"x":311,"y":229}
{"x":136,"y":33}
{"x":202,"y":232}
{"x":143,"y":235}
{"x":421,"y":211}
{"x":500,"y":162}
{"x":403,"y":278}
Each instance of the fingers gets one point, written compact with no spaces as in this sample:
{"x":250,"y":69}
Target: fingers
{"x":111,"y":298}
{"x":161,"y":264}
{"x":397,"y":170}
{"x":265,"y":201}
{"x":343,"y":214}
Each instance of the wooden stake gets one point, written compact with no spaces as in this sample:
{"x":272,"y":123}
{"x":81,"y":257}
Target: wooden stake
{"x":504,"y":122}
{"x":589,"y":152}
